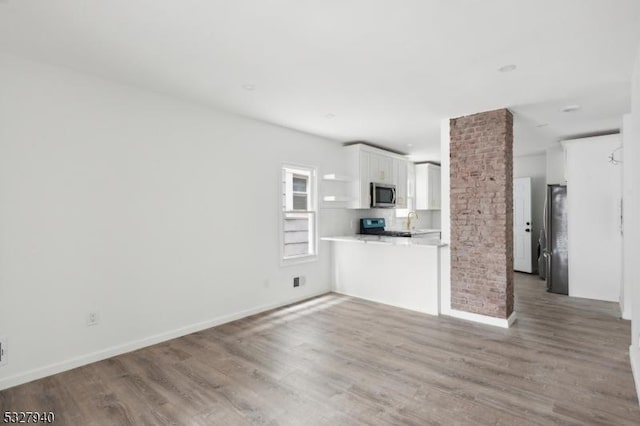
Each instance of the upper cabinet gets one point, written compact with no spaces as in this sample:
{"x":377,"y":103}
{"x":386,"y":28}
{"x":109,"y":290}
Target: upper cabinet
{"x":381,"y":167}
{"x":428,"y":193}
{"x":401,"y":167}
{"x":556,"y":165}
{"x":411,"y":185}
{"x":369,"y":164}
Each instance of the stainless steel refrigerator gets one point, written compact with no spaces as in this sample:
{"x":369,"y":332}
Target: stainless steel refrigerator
{"x":555,"y":253}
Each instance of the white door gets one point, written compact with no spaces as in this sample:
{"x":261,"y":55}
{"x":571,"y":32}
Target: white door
{"x":522,"y":260}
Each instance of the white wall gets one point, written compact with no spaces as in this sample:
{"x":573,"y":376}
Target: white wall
{"x":594,"y":191}
{"x":534,"y":166}
{"x":628,"y":261}
{"x":445,"y":193}
{"x":632,"y":228}
{"x":161,"y":214}
{"x":555,"y":165}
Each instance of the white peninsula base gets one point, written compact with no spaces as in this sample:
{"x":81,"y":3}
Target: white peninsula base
{"x":405,"y":275}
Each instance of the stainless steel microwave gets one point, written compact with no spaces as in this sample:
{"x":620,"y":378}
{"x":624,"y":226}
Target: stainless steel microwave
{"x":383,"y":195}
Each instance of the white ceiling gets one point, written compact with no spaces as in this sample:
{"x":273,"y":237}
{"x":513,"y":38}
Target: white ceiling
{"x":388,"y":70}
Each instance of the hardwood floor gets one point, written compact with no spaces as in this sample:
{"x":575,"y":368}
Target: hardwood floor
{"x":339,"y":360}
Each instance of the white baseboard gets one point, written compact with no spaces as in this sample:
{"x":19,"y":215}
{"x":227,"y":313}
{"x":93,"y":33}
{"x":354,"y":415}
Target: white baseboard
{"x":483,"y":319}
{"x":634,"y":356}
{"x":59,"y":367}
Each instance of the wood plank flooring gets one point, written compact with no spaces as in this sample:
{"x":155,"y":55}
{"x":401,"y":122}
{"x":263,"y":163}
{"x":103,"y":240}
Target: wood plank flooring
{"x":338,"y":360}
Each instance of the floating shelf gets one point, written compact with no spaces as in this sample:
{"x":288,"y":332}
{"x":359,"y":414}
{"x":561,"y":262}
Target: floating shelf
{"x":336,"y":198}
{"x":337,"y":178}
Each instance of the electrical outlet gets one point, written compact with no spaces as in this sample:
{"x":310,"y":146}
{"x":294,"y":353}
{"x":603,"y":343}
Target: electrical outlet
{"x":93,"y":318}
{"x":299,"y":281}
{"x":4,"y":351}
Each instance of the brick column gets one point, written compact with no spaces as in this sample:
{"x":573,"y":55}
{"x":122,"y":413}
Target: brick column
{"x":482,"y":213}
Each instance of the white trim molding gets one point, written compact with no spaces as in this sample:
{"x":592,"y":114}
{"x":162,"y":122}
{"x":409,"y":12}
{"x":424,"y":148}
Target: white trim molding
{"x":634,"y":356}
{"x":59,"y":367}
{"x":483,"y":319}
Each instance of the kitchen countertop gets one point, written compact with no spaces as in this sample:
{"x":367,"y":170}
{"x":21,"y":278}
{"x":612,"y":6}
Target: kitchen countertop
{"x":395,"y":241}
{"x":415,"y":231}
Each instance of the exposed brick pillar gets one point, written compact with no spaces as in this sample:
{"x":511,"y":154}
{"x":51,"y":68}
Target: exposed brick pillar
{"x":482,"y":213}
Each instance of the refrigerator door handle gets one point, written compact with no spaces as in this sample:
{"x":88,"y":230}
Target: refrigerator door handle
{"x":545,"y":225}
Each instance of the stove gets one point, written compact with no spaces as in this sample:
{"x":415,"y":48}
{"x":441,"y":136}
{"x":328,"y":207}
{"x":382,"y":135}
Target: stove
{"x":375,"y":226}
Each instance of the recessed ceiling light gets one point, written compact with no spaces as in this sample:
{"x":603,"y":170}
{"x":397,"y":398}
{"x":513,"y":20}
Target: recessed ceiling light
{"x":330,"y":115}
{"x":409,"y":145}
{"x":570,"y":108}
{"x":507,"y":68}
{"x":249,"y":87}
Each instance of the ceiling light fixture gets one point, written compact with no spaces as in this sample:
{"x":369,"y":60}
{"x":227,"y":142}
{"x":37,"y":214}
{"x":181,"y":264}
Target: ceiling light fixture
{"x":409,"y":145}
{"x":249,"y":87}
{"x":507,"y":68}
{"x":542,"y":125}
{"x":330,"y":116}
{"x":570,"y":108}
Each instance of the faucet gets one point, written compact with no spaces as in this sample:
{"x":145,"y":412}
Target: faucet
{"x":409,"y":219}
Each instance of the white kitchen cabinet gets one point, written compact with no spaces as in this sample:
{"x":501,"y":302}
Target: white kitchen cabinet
{"x":358,"y":167}
{"x":411,"y":183}
{"x":428,"y":193}
{"x":401,"y":180}
{"x":381,"y":167}
{"x":556,"y":165}
{"x":368,"y":164}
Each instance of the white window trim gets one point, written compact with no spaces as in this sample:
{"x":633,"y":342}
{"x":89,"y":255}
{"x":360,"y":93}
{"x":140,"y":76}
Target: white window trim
{"x":306,"y":258}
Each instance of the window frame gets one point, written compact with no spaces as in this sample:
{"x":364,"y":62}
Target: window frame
{"x":312,"y":193}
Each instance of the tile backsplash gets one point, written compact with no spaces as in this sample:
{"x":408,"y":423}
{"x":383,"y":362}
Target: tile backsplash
{"x":346,"y":221}
{"x":426,"y":218}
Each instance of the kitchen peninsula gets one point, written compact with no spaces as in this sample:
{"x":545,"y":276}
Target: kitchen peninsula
{"x":398,"y":271}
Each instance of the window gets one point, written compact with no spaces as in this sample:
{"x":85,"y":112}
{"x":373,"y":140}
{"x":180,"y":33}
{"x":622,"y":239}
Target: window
{"x":298,"y":213}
